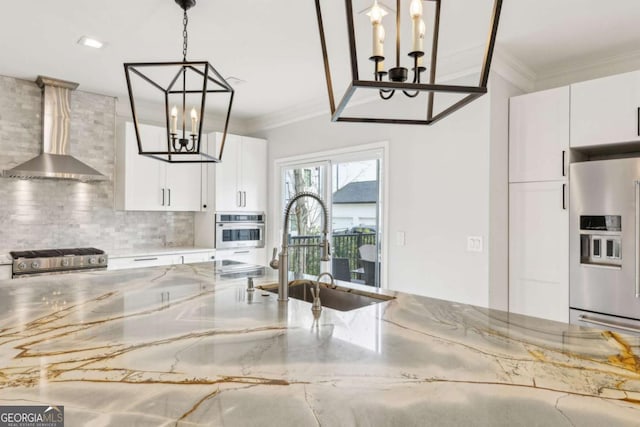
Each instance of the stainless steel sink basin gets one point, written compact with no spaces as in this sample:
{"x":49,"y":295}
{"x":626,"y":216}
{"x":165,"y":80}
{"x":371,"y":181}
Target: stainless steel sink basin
{"x":331,"y":296}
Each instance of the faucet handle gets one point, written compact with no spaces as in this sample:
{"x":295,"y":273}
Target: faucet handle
{"x":325,"y":250}
{"x":275,"y":262}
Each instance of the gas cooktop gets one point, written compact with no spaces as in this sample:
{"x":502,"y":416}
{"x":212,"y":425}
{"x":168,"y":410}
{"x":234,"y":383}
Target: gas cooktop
{"x":57,"y":260}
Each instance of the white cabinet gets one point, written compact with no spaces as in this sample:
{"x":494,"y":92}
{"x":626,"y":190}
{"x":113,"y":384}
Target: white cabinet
{"x":539,"y":250}
{"x":241,"y":177}
{"x":606,"y":111}
{"x":196,"y":257}
{"x":166,"y":257}
{"x":539,"y":132}
{"x":253,"y":177}
{"x":147,"y":184}
{"x":143,"y":261}
{"x":5,"y":271}
{"x":539,"y":136}
{"x":249,"y":256}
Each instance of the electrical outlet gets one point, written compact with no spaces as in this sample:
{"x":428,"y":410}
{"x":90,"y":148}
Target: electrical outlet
{"x":474,"y":243}
{"x":400,"y":238}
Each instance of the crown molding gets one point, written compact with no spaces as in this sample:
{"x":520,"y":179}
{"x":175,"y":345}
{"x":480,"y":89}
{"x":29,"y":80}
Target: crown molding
{"x":450,"y":67}
{"x":588,"y":69}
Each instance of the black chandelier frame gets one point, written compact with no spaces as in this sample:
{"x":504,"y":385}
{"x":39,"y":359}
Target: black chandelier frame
{"x":411,"y":89}
{"x":180,"y":149}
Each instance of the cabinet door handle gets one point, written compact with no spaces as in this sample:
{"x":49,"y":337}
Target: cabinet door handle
{"x":163,"y":197}
{"x":563,"y":160}
{"x":239,"y":199}
{"x":244,"y":199}
{"x":146,"y":259}
{"x":564,"y":196}
{"x":242,"y":252}
{"x":169,"y":191}
{"x":638,"y":121}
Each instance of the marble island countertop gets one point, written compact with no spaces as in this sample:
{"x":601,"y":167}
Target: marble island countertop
{"x":175,"y":345}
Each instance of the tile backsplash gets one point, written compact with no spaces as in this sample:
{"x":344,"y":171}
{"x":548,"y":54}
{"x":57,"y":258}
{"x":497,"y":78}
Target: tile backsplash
{"x":39,"y":214}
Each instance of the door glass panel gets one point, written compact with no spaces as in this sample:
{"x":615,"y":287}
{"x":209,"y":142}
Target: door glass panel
{"x":351,"y":185}
{"x":305,"y":219}
{"x":356,"y":221}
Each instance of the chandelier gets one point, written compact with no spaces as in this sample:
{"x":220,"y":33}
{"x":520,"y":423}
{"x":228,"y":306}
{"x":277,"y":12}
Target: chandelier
{"x":182,"y":89}
{"x":398,"y":81}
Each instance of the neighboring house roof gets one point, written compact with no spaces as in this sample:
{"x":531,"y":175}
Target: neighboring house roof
{"x":357,"y":192}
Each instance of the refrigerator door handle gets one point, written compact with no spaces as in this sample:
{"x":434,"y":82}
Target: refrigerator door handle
{"x":601,"y":322}
{"x":564,"y":197}
{"x":563,"y":162}
{"x":637,"y":242}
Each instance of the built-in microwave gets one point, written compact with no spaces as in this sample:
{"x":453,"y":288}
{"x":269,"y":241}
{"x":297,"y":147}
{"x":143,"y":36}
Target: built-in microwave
{"x":239,"y":230}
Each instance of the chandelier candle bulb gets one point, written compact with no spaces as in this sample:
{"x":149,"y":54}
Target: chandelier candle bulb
{"x":174,"y":119}
{"x":418,"y":44}
{"x":376,"y":14}
{"x":380,"y":67}
{"x":417,"y":25}
{"x":378,"y":40}
{"x":194,"y":120}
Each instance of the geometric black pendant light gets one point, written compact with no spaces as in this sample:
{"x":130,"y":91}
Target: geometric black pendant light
{"x":183,"y":89}
{"x":412,"y":82}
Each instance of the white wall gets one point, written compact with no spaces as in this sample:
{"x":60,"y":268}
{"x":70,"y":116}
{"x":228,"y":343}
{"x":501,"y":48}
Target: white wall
{"x":439,"y":193}
{"x":498,"y":245}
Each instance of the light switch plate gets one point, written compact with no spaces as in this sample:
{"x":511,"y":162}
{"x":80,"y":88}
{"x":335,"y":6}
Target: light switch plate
{"x":474,"y":244}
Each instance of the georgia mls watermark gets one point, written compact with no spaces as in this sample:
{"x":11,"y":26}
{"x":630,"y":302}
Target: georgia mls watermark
{"x":31,"y":416}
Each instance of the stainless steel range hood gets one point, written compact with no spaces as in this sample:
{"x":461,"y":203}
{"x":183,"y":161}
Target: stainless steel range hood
{"x":55,"y":161}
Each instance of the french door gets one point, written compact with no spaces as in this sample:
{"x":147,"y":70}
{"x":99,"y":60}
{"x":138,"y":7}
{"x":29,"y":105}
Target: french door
{"x":350,"y":185}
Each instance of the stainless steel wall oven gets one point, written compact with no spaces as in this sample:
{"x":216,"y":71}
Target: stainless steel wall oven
{"x":239,"y":230}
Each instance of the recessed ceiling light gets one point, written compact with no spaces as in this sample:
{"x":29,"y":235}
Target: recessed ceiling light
{"x":90,"y":42}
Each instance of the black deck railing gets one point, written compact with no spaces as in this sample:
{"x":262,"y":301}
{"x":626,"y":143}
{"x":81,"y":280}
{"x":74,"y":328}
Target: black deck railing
{"x":307,"y":260}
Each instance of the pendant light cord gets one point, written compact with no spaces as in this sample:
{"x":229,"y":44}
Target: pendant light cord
{"x":185,"y":36}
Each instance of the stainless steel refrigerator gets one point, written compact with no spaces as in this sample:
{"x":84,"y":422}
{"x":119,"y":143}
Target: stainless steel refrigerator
{"x":604,"y":247}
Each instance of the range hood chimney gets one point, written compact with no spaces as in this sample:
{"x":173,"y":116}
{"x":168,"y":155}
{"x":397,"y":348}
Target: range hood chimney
{"x":55,"y":161}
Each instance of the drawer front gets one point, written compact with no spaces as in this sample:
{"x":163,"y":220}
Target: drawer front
{"x":143,"y":261}
{"x":198,"y":257}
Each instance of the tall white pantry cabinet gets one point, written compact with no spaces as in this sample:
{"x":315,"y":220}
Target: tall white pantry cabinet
{"x":538,"y":211}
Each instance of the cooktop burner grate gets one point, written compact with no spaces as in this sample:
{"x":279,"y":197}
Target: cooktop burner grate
{"x":50,"y":253}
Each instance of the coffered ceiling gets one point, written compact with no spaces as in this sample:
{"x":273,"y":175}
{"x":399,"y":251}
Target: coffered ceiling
{"x":273,"y":45}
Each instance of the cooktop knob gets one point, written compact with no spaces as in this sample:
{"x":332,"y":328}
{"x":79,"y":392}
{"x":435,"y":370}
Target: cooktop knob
{"x":93,"y":260}
{"x":65,"y":263}
{"x":35,"y":265}
{"x":22,"y":265}
{"x":102,"y":260}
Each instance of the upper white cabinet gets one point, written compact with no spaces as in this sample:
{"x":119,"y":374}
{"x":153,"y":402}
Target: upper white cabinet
{"x":241,"y":177}
{"x":147,"y":184}
{"x":539,"y":136}
{"x":606,"y":111}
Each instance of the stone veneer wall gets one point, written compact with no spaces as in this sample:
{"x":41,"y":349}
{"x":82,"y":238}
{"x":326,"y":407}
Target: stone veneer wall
{"x":39,"y":214}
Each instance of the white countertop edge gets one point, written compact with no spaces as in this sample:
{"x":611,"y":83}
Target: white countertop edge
{"x":135,"y":252}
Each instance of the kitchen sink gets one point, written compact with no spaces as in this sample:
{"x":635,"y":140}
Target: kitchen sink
{"x":331,"y":296}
